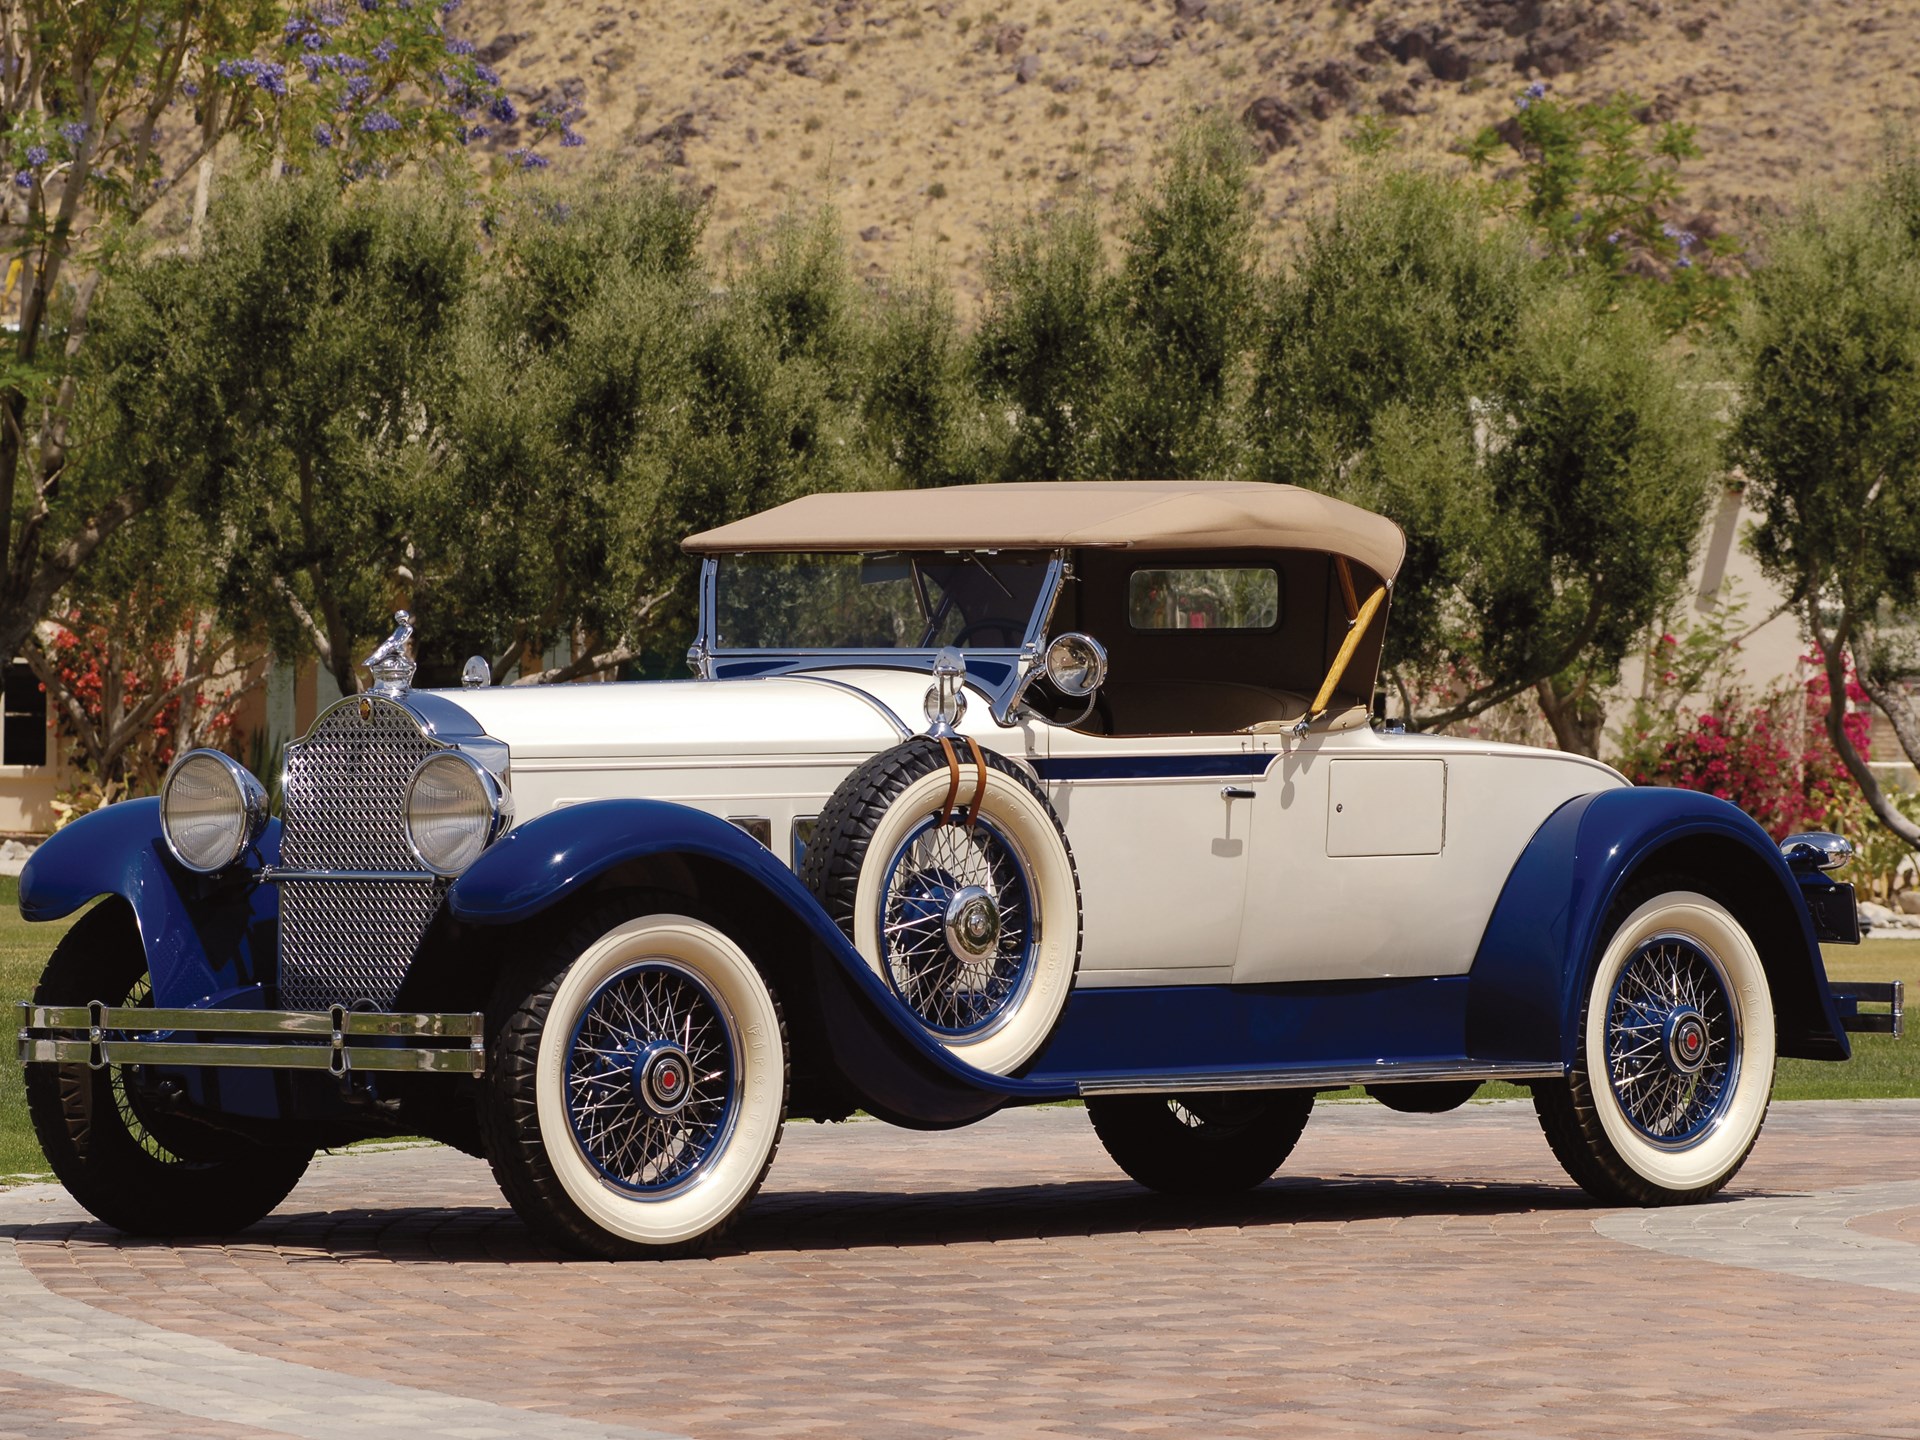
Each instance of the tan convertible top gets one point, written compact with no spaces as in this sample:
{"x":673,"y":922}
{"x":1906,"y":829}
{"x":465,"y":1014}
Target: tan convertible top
{"x":1069,"y":514}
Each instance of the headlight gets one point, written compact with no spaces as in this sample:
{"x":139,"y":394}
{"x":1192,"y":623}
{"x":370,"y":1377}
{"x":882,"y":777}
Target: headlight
{"x":455,"y":809}
{"x":211,"y":810}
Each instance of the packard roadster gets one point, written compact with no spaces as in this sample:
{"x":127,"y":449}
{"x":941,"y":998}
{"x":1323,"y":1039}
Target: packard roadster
{"x":977,"y":797}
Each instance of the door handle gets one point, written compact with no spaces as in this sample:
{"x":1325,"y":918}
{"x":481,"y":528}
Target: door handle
{"x":1235,"y":792}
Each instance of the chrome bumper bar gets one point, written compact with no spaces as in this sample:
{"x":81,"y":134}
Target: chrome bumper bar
{"x":335,"y":1040}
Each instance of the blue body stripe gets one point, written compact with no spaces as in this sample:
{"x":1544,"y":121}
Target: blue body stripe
{"x":1155,"y":767}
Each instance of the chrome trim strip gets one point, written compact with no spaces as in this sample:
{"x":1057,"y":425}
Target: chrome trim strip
{"x":47,"y":1035}
{"x":1322,"y":1077}
{"x":884,"y":710}
{"x":40,"y":1050}
{"x":281,"y":874}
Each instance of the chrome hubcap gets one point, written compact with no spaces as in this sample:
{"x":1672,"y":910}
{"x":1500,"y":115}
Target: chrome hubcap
{"x":662,"y":1077}
{"x":973,"y":923}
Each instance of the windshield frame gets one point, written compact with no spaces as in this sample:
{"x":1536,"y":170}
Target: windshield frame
{"x":996,"y":670}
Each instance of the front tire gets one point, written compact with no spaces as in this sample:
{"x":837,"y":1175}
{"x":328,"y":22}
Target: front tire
{"x":131,"y":1165}
{"x":1212,"y":1144}
{"x":638,"y":1086}
{"x":1674,"y":1069}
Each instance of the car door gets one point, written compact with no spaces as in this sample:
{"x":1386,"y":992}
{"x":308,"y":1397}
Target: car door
{"x":1161,"y":829}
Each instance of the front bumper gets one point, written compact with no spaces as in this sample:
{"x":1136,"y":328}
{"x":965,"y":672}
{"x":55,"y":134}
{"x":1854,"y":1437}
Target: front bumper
{"x":339,"y":1040}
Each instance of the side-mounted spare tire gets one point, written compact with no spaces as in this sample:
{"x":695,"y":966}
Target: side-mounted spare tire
{"x":951,"y":874}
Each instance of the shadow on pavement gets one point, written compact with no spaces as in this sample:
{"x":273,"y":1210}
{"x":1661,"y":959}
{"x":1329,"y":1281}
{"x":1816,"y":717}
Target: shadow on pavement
{"x":858,"y":1219}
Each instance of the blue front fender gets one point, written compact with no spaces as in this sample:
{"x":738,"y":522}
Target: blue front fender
{"x":209,"y":940}
{"x":875,"y":1041}
{"x":1530,"y":976}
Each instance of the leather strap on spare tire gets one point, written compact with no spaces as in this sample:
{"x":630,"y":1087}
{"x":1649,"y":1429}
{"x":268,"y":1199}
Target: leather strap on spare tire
{"x":946,"y":867}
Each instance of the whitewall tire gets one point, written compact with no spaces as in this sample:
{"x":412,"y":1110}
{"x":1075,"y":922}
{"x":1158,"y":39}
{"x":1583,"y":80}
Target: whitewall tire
{"x":1674,"y":1071}
{"x":975,"y":927}
{"x":637,"y":1087}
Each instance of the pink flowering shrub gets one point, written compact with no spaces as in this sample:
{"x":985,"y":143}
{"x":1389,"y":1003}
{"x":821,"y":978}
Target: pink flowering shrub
{"x":1769,"y":756}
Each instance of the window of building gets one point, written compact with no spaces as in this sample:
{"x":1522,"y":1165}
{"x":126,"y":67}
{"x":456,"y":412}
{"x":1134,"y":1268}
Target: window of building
{"x":23,"y":731}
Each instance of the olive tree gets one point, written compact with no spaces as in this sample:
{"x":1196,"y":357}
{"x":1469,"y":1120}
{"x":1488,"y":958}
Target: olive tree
{"x":1547,"y":456}
{"x":1828,"y":434}
{"x":111,"y":116}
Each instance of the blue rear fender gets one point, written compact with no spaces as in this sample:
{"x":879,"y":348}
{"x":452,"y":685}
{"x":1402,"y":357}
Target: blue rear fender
{"x":209,"y":940}
{"x":841,"y":1015}
{"x":1530,"y":976}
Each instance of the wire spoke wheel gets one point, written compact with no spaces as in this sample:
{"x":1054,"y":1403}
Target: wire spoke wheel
{"x":958,"y":926}
{"x":1673,"y":1069}
{"x":650,"y":1076}
{"x":140,"y":996}
{"x":1673,"y":1053}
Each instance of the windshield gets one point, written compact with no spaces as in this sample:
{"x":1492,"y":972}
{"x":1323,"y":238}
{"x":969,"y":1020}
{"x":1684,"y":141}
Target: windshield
{"x":896,"y":600}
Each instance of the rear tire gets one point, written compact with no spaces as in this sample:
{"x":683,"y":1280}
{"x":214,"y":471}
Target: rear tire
{"x":1212,"y":1144}
{"x":1674,"y":1070}
{"x":637,"y":1083}
{"x":132,"y":1167}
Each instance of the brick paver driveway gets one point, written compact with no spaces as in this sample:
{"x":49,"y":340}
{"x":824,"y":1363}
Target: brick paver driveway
{"x":1404,"y":1277}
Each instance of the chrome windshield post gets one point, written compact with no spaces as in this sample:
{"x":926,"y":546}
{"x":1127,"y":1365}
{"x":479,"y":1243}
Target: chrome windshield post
{"x":1033,"y":645}
{"x":700,"y":653}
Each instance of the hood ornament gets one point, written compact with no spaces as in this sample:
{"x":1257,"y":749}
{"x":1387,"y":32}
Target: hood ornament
{"x":392,"y":665}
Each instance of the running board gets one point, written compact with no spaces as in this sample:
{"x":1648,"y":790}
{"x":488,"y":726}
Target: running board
{"x":1319,"y":1077}
{"x":337,"y":1040}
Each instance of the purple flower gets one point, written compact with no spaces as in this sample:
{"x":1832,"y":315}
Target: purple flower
{"x":369,"y":5}
{"x":315,"y":40}
{"x":459,"y":47}
{"x":23,"y":179}
{"x":447,"y":7}
{"x":571,"y":139}
{"x":329,"y":17}
{"x":36,"y":156}
{"x":378,"y":121}
{"x":359,"y":87}
{"x":528,"y":160}
{"x":192,"y":90}
{"x":502,"y":109}
{"x":467,"y":134}
{"x":488,"y":75}
{"x":312,"y":65}
{"x":1616,"y":237}
{"x":295,"y":27}
{"x":383,"y":52}
{"x":1537,"y":90}
{"x":1683,"y":263}
{"x":323,"y":136}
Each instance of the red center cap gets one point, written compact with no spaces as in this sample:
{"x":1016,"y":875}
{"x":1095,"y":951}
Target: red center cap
{"x":1693,"y":1041}
{"x":670,"y":1077}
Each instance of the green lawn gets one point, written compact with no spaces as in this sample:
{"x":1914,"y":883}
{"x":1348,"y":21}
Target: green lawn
{"x":1881,"y":1067}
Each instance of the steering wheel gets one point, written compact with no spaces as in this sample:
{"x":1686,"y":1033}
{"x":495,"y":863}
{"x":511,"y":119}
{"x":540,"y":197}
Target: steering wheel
{"x":1011,"y":628}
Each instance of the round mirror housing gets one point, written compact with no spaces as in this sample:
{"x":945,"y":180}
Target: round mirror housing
{"x":1076,"y":664}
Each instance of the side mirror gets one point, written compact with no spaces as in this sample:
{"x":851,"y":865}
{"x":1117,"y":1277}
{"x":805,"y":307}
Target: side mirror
{"x":1076,"y":664}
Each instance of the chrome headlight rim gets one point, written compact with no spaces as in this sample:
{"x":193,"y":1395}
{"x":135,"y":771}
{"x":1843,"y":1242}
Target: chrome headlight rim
{"x":1061,"y":660}
{"x":250,"y":804}
{"x":499,"y":801}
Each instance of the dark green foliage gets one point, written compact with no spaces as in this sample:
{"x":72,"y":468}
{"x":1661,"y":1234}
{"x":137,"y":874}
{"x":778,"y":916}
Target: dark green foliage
{"x":1131,"y":371}
{"x":1829,"y":437}
{"x":1525,"y":427}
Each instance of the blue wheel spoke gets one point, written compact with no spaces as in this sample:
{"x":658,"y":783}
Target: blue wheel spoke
{"x":1671,"y":990}
{"x":650,"y":1141}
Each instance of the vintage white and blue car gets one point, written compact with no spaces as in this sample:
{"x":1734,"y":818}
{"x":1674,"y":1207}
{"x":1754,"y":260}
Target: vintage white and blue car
{"x":981,"y":797}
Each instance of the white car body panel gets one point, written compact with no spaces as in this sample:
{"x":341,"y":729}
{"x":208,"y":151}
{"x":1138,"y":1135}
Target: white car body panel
{"x":1355,"y":855}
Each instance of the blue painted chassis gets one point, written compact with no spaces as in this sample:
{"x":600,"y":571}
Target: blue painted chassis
{"x":211,"y":943}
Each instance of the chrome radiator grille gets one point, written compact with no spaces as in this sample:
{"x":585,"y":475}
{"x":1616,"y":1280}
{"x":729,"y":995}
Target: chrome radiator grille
{"x":343,"y":941}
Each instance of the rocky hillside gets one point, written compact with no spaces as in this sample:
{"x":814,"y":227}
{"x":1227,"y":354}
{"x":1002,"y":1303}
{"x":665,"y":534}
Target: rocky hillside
{"x":924,"y":122}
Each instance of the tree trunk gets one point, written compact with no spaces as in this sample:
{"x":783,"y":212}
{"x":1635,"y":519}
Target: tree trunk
{"x":1833,"y":653}
{"x":1576,"y":716}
